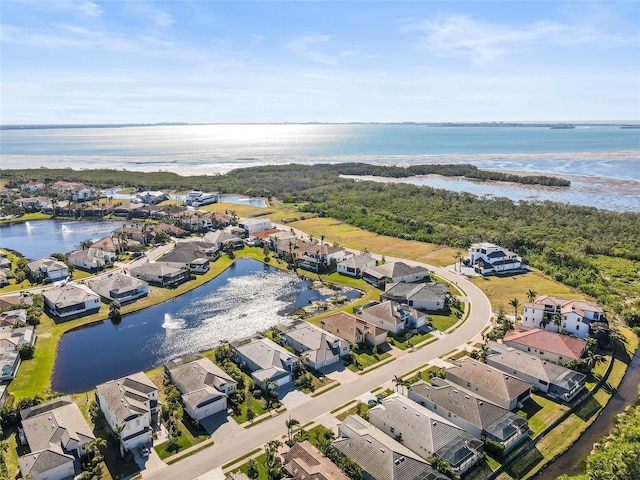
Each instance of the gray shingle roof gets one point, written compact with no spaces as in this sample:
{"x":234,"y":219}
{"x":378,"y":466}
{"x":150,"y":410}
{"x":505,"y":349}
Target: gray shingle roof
{"x":42,"y":461}
{"x":156,"y":269}
{"x":195,"y":375}
{"x":392,"y":312}
{"x":69,"y":295}
{"x":394,"y":270}
{"x":268,"y":355}
{"x":429,"y":292}
{"x":116,"y":283}
{"x":127,"y":397}
{"x":318,"y":343}
{"x":48,"y":263}
{"x":357,"y":261}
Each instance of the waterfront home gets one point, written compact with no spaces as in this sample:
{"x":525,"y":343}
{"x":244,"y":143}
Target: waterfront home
{"x":281,"y":242}
{"x":394,"y":272}
{"x":97,"y":210}
{"x":490,"y":259}
{"x":32,"y":186}
{"x":548,"y":345}
{"x":127,"y":209}
{"x":195,"y":221}
{"x":49,"y":267}
{"x":12,"y":340}
{"x":489,"y":382}
{"x":9,"y":364}
{"x":555,"y":380}
{"x":169,"y":229}
{"x":223,"y":239}
{"x":92,"y":258}
{"x":130,"y":407}
{"x":560,"y":314}
{"x":33,"y":203}
{"x":117,"y":245}
{"x":57,"y":435}
{"x":426,"y":433}
{"x":76,"y":191}
{"x":151,"y":197}
{"x":303,"y":461}
{"x":353,"y":329}
{"x":268,"y":361}
{"x":321,"y":258}
{"x":72,"y":299}
{"x":12,"y":318}
{"x":161,"y":275}
{"x":423,"y":296}
{"x":140,"y":233}
{"x":380,"y":456}
{"x":204,"y":386}
{"x":316,"y":347}
{"x":192,"y":255}
{"x":393,"y":317}
{"x":118,"y":287}
{"x":354,"y":265}
{"x":474,"y":414}
{"x":254,"y":224}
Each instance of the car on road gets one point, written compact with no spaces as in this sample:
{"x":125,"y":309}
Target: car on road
{"x":144,"y":450}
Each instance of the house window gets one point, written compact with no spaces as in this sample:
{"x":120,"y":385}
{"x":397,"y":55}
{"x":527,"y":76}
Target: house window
{"x":392,"y":430}
{"x":577,"y":327}
{"x":528,"y":349}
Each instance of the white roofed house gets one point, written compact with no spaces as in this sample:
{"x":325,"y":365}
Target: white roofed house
{"x":72,"y":299}
{"x":151,"y":197}
{"x":92,"y":258}
{"x":121,"y":288}
{"x":490,"y":259}
{"x":205,"y":387}
{"x":424,"y":296}
{"x":130,"y":407}
{"x":57,"y":435}
{"x":33,"y":203}
{"x":267,"y":361}
{"x":316,"y":347}
{"x":254,"y":224}
{"x":425,"y":432}
{"x":32,"y":186}
{"x":50,"y":268}
{"x":393,"y":317}
{"x":354,"y":265}
{"x":394,"y":272}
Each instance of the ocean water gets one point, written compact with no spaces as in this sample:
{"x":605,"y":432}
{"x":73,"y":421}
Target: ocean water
{"x":598,"y":152}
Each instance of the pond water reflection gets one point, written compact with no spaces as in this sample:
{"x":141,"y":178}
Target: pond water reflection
{"x":248,"y":297}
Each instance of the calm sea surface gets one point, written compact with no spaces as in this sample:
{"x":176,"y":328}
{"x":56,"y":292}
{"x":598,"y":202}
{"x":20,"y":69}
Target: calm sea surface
{"x":601,"y":153}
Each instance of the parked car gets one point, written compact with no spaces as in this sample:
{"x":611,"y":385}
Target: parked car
{"x":144,"y":450}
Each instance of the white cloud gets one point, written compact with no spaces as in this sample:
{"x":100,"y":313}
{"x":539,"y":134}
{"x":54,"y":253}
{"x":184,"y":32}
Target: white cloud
{"x":316,"y":47}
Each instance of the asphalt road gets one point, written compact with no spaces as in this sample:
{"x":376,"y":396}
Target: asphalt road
{"x":246,"y":440}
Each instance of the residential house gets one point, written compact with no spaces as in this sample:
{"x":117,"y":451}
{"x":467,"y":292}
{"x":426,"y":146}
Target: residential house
{"x":222,"y":239}
{"x":548,"y":345}
{"x":15,"y":300}
{"x":195,"y":220}
{"x":151,"y":197}
{"x":169,"y":229}
{"x":50,"y":268}
{"x":268,"y":361}
{"x":553,"y":379}
{"x":191,"y":255}
{"x":282,"y":242}
{"x":159,"y":274}
{"x":12,"y":340}
{"x":353,"y":329}
{"x":393,"y":317}
{"x":426,"y":433}
{"x":254,"y":224}
{"x":127,"y":209}
{"x":118,"y":287}
{"x":97,"y":210}
{"x":317,"y":347}
{"x":72,"y":299}
{"x":204,"y":386}
{"x":322,"y":258}
{"x":57,"y":435}
{"x":303,"y":461}
{"x":32,"y":186}
{"x":33,"y":203}
{"x":9,"y":364}
{"x":354,"y":265}
{"x":571,"y":316}
{"x":140,"y":233}
{"x":12,"y":318}
{"x":130,"y":407}
{"x":92,"y":258}
{"x":117,"y":245}
{"x":394,"y":272}
{"x":380,"y":456}
{"x":423,"y":296}
{"x":197,"y":198}
{"x":489,"y":382}
{"x":473,"y":414}
{"x":75,"y":191}
{"x":490,"y":259}
{"x":4,"y":277}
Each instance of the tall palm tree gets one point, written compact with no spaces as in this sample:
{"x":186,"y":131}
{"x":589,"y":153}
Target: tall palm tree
{"x":557,"y":319}
{"x":515,"y":303}
{"x":291,"y":424}
{"x":531,"y":295}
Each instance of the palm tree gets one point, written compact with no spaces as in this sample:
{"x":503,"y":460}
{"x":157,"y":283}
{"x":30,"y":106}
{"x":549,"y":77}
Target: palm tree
{"x":118,"y":431}
{"x":399,"y":382}
{"x":531,"y":295}
{"x":515,"y":303}
{"x":271,"y":462}
{"x":458,"y":258}
{"x":252,"y":469}
{"x":557,"y":319}
{"x":114,"y":312}
{"x":546,"y":319}
{"x":291,"y":424}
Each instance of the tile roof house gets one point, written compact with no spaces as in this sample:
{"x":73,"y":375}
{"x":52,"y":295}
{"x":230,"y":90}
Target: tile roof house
{"x":267,"y":361}
{"x":354,"y":265}
{"x":320,"y":258}
{"x":474,"y":414}
{"x":91,"y":258}
{"x":424,"y":296}
{"x":380,"y":456}
{"x":316,"y":347}
{"x":129,"y":404}
{"x":72,"y":299}
{"x":393,"y":317}
{"x":205,"y":387}
{"x":353,"y":329}
{"x":158,"y":274}
{"x":48,"y":268}
{"x":551,"y":346}
{"x":118,"y":287}
{"x":555,"y":380}
{"x":115,"y":244}
{"x":303,"y":461}
{"x":32,"y":186}
{"x":394,"y":272}
{"x":575,"y":316}
{"x":426,"y":433}
{"x":490,"y":259}
{"x":57,"y":434}
{"x":489,"y":382}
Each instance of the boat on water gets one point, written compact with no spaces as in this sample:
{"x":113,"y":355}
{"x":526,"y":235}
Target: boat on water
{"x":562,"y":126}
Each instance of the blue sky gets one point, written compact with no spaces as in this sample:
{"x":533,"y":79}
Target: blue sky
{"x":208,"y":61}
